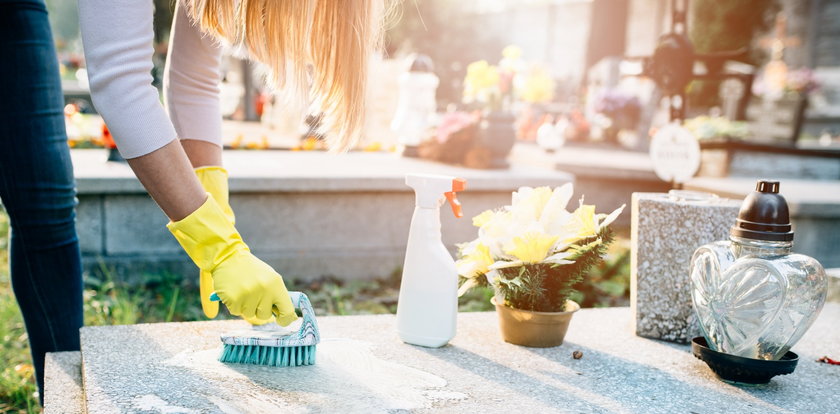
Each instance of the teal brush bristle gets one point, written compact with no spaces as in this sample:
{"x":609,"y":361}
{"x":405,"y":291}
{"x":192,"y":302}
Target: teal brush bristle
{"x":273,"y":346}
{"x":272,"y":356}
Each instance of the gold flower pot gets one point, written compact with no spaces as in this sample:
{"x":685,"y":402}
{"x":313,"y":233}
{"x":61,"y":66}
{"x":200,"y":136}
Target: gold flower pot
{"x":534,"y":329}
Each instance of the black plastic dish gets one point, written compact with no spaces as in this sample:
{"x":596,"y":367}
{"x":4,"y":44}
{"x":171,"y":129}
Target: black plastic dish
{"x":739,"y":369}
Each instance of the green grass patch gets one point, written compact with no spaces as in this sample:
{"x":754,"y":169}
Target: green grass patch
{"x":18,"y":392}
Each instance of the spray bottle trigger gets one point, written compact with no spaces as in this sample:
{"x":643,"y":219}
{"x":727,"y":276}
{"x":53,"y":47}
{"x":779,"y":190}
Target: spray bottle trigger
{"x":454,"y":203}
{"x":458,"y":184}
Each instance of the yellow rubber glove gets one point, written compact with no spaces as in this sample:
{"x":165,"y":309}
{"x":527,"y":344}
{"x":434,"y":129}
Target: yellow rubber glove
{"x":215,"y":181}
{"x":246,"y":285}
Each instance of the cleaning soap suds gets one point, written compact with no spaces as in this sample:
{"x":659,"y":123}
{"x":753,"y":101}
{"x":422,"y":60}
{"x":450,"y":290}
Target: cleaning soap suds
{"x":155,"y":404}
{"x":347,"y":377}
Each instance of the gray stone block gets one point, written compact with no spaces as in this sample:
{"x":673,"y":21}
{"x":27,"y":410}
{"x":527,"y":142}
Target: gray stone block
{"x":304,"y":235}
{"x":818,"y":237}
{"x":63,"y":392}
{"x":833,"y":284}
{"x":665,"y":232}
{"x":363,"y":367}
{"x":309,"y":214}
{"x":89,"y":224}
{"x":134,"y":224}
{"x":757,"y":164}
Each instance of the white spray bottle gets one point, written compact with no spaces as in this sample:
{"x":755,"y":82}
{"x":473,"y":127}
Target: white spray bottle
{"x":428,"y":304}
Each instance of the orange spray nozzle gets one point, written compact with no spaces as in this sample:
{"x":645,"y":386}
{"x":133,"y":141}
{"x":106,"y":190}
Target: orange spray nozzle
{"x":458,"y":184}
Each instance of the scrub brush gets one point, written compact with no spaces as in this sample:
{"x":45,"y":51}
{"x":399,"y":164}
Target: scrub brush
{"x":273,"y":345}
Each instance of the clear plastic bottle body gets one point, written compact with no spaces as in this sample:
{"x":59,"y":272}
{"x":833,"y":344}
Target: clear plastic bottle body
{"x":754,"y":298}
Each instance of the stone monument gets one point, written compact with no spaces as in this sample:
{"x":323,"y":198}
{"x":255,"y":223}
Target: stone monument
{"x":665,"y":231}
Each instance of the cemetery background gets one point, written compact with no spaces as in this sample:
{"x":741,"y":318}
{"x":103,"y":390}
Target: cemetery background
{"x":550,"y":32}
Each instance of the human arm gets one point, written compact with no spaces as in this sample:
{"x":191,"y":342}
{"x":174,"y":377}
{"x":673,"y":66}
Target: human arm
{"x":118,"y":37}
{"x":191,"y":90}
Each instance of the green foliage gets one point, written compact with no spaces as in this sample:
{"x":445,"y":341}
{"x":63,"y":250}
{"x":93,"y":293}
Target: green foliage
{"x":18,"y":392}
{"x":163,"y":297}
{"x":717,"y":26}
{"x":729,"y":25}
{"x":333,"y":296}
{"x":546,"y":287}
{"x":608,"y":282}
{"x":476,"y":299}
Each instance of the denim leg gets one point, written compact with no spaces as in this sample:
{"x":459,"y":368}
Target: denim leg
{"x":36,"y":183}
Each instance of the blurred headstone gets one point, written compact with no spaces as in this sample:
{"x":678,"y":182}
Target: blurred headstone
{"x":731,"y":92}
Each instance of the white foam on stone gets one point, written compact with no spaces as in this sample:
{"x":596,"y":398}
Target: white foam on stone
{"x":153,"y":403}
{"x":348,"y":377}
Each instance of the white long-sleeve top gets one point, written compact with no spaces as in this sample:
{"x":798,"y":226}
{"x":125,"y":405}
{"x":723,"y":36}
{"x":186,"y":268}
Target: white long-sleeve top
{"x":118,"y":43}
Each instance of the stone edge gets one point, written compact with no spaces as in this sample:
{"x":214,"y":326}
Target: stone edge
{"x":63,"y":387}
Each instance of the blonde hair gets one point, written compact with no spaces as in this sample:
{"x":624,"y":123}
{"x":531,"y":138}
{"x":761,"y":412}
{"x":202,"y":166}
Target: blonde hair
{"x":314,"y":50}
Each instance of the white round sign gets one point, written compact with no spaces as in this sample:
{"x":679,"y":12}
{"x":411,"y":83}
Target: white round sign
{"x":675,"y":153}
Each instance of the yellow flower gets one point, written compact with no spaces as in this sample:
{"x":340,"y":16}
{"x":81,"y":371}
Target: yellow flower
{"x":483,"y":218}
{"x":532,"y":247}
{"x":309,"y":144}
{"x":482,"y":80}
{"x":237,"y":142}
{"x":475,"y":262}
{"x":512,"y":52}
{"x":538,"y":86}
{"x":373,"y":147}
{"x":528,"y":203}
{"x":24,"y":370}
{"x":582,"y":224}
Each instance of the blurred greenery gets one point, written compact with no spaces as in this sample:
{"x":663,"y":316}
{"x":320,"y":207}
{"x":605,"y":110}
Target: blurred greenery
{"x":18,"y":392}
{"x":717,"y":26}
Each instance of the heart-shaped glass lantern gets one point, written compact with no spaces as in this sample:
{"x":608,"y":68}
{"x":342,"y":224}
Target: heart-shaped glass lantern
{"x":752,"y":296}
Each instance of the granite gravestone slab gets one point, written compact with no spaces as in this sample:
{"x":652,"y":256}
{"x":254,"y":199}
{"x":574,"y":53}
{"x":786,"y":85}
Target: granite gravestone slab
{"x":665,"y":231}
{"x":364,"y":368}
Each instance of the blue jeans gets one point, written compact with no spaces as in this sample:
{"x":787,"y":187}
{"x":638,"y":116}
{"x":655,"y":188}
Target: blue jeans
{"x":36,"y":183}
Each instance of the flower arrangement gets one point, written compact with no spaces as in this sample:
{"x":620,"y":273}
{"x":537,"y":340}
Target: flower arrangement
{"x":456,"y":141}
{"x":706,"y":127}
{"x":495,"y":86}
{"x":85,"y":130}
{"x":777,"y":81}
{"x":534,"y":251}
{"x":801,"y":81}
{"x":621,"y":107}
{"x":482,"y":85}
{"x":535,"y":85}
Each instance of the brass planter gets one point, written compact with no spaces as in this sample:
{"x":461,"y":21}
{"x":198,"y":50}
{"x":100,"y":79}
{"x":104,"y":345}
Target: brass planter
{"x":534,"y":329}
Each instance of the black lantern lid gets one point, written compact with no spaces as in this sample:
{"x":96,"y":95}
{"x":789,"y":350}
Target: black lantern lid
{"x":764,"y":215}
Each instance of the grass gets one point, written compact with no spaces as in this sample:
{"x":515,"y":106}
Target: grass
{"x":18,"y":392}
{"x":167,"y":298}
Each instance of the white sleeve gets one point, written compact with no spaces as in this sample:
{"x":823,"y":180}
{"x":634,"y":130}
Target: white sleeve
{"x":118,"y":37}
{"x":191,"y":81}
